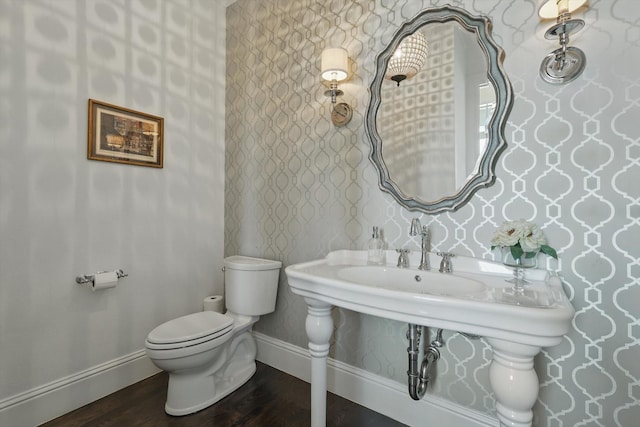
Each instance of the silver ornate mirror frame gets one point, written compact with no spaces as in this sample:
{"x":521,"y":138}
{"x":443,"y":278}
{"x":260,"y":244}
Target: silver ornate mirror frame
{"x":484,"y":176}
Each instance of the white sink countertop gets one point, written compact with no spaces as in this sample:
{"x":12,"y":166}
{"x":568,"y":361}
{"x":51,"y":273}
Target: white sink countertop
{"x":475,"y":298}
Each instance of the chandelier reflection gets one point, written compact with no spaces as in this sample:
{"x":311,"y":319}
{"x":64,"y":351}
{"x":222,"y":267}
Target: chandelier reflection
{"x":408,"y":58}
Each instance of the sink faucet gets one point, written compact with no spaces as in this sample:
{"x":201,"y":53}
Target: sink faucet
{"x":403,"y":258}
{"x":445,"y":264}
{"x":417,"y":229}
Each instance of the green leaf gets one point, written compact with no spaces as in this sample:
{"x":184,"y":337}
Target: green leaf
{"x":530,"y":254}
{"x":516,"y":252}
{"x":546,"y":249}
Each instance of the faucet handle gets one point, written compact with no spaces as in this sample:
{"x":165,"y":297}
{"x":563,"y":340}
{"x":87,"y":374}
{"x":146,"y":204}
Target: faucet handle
{"x":445,"y":264}
{"x":403,"y":258}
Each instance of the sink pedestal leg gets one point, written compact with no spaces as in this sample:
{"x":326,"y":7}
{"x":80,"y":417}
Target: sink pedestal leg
{"x":319,"y":326}
{"x":514,"y":382}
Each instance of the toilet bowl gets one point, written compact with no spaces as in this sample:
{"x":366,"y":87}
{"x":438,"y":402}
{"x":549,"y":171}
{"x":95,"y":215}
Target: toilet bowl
{"x":209,"y":355}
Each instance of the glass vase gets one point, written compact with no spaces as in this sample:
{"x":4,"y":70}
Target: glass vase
{"x":518,"y":265}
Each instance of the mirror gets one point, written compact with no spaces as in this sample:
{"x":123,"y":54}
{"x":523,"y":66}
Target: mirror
{"x":436,"y":136}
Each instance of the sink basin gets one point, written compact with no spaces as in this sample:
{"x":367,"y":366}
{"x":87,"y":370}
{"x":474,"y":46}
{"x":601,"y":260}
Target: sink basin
{"x":406,"y":280}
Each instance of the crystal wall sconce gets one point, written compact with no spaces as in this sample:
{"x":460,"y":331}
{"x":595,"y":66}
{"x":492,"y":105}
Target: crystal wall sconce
{"x":335,"y":69}
{"x":566,"y":63}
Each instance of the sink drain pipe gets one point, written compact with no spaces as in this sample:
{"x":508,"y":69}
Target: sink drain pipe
{"x":418,"y":377}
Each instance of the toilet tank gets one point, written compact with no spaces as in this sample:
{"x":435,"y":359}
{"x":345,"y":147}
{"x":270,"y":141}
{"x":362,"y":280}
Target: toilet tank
{"x":251,"y":285}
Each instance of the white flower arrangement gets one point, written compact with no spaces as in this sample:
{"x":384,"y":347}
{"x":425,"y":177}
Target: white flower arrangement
{"x":522,"y":238}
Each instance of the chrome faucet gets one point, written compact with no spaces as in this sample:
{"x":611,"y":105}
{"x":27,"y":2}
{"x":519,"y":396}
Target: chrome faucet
{"x":403,"y":258}
{"x":417,"y":229}
{"x":445,"y":264}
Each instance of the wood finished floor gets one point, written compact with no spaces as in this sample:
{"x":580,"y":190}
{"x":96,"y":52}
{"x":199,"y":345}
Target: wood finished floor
{"x":270,"y":398}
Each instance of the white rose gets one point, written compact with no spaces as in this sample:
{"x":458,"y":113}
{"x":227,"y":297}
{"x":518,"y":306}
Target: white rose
{"x":533,"y":239}
{"x":507,"y":235}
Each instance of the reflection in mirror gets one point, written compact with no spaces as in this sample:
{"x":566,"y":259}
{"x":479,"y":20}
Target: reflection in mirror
{"x":438,"y":118}
{"x":408,"y":58}
{"x":436,"y":137}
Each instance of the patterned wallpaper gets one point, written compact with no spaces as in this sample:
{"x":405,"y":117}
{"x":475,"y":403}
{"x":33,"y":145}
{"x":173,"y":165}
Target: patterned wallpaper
{"x":297,"y":187}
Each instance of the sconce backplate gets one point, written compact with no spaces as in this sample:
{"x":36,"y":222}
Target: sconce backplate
{"x":572,"y":61}
{"x":341,"y":114}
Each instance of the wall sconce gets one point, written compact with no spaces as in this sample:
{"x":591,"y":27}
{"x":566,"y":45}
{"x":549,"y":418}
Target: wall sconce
{"x":408,"y":58}
{"x":566,"y":63}
{"x":335,"y":69}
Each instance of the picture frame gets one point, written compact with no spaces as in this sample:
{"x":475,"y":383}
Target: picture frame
{"x":121,"y":135}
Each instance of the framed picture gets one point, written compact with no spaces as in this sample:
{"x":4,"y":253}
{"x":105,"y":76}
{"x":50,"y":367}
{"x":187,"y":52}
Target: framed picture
{"x":121,"y":135}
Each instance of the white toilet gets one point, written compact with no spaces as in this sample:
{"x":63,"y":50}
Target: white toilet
{"x":208,"y":355}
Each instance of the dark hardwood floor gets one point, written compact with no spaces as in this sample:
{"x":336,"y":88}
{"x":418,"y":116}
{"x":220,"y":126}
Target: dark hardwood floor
{"x":270,"y":399}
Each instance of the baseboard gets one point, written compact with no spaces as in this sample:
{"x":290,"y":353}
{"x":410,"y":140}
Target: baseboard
{"x":46,"y":402}
{"x":388,"y":397}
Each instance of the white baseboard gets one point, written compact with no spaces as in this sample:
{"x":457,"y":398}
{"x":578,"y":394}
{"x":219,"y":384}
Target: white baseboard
{"x":46,"y":402}
{"x":387,"y":397}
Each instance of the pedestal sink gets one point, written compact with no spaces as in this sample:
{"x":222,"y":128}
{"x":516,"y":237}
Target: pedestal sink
{"x":474,"y":299}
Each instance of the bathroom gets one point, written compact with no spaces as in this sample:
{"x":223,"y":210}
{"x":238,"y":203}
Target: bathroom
{"x":254,"y":166}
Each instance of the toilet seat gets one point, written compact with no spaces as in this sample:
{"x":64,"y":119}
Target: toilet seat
{"x":189,"y":330}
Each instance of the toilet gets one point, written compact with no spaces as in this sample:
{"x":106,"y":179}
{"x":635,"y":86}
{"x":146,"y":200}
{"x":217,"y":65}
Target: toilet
{"x":208,"y":355}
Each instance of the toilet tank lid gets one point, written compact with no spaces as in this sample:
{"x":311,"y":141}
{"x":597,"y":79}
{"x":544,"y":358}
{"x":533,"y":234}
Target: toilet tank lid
{"x":239,"y":262}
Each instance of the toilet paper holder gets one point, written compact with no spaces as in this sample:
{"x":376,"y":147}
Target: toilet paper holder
{"x":88,"y":278}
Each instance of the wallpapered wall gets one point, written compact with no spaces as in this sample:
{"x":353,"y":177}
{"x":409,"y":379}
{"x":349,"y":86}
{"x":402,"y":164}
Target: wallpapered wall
{"x":297,"y":188}
{"x":62,"y":215}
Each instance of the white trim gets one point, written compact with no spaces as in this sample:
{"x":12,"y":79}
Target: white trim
{"x":388,"y":397}
{"x":46,"y":402}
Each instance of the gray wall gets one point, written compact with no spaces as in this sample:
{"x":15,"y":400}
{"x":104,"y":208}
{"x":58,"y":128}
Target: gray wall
{"x":62,"y":215}
{"x":297,"y":188}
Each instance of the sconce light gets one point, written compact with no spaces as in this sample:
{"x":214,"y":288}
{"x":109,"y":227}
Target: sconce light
{"x":408,"y":58}
{"x":335,"y":69}
{"x":566,"y":63}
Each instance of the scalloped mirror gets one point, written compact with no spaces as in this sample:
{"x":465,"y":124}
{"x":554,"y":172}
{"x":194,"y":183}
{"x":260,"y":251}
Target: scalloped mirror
{"x":436,"y":137}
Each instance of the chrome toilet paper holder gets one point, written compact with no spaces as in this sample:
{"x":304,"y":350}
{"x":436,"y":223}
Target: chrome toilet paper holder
{"x":89,"y":278}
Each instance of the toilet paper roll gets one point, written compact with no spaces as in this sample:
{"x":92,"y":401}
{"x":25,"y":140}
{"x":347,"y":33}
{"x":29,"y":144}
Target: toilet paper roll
{"x":104,"y":280}
{"x":213,"y":303}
